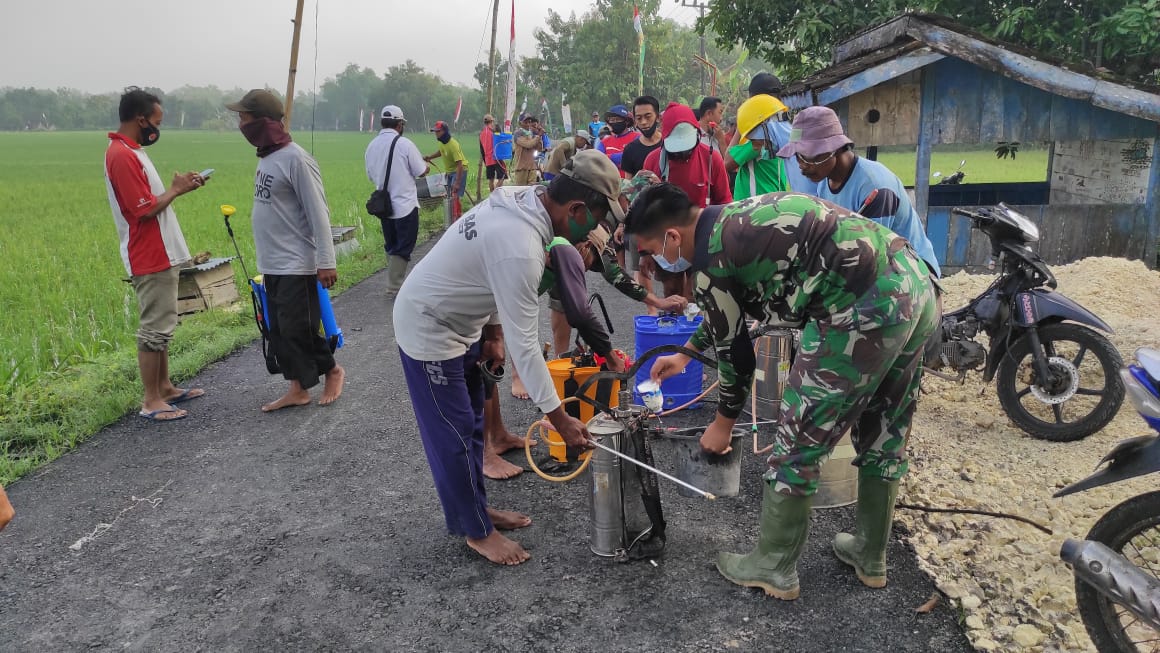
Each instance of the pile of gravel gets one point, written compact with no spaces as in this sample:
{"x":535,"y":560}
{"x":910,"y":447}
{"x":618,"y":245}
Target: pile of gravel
{"x":1014,"y":592}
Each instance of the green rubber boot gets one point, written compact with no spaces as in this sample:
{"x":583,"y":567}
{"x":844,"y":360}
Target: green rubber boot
{"x":772,"y":566}
{"x":865,"y":550}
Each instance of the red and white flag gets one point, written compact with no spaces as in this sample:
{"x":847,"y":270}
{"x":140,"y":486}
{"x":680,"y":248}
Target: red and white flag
{"x":510,"y":102}
{"x":458,"y":109}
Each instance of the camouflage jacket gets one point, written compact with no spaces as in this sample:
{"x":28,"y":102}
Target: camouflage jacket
{"x":616,"y":277}
{"x":791,"y":257}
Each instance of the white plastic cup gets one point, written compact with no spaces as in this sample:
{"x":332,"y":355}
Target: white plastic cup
{"x":651,"y":395}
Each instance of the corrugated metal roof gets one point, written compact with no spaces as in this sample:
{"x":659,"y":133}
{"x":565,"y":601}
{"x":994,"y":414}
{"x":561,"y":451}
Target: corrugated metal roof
{"x":911,"y":33}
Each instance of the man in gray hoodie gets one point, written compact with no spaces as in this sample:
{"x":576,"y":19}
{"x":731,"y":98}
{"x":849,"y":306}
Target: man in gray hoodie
{"x":475,"y":290}
{"x":291,"y":224}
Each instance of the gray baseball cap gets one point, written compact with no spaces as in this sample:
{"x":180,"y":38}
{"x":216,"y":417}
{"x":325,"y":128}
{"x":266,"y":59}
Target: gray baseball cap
{"x":596,"y":171}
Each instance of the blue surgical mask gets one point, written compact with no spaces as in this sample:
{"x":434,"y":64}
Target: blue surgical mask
{"x":679,"y":266}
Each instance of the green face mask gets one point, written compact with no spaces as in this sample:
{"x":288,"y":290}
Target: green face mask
{"x":577,"y":231}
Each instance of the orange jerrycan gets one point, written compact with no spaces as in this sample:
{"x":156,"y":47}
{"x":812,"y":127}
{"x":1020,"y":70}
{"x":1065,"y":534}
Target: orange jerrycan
{"x":568,"y":377}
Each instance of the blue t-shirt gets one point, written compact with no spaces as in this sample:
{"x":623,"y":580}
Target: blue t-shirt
{"x":875,"y":192}
{"x":798,"y":182}
{"x":594,"y":128}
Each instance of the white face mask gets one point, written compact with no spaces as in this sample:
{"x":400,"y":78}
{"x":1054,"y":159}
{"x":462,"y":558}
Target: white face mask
{"x":679,"y":266}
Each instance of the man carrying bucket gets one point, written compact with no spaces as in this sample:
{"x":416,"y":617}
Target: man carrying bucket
{"x":868,"y":304}
{"x":478,"y":284}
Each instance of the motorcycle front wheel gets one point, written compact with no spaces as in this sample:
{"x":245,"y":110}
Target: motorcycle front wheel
{"x":1131,"y":529}
{"x":1083,"y":390}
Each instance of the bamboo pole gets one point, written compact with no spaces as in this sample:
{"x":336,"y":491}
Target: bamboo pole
{"x":490,"y":94}
{"x":293,"y":63}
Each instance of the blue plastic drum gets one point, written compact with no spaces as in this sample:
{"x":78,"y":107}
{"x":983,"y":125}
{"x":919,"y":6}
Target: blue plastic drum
{"x":654,"y":331}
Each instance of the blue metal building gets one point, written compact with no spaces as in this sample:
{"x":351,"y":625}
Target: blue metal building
{"x":923,"y":81}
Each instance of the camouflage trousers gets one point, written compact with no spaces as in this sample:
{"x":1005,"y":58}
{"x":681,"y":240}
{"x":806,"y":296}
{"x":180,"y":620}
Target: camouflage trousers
{"x":860,"y":377}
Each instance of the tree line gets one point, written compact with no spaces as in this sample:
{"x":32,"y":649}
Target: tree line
{"x":591,"y":62}
{"x":588,"y":60}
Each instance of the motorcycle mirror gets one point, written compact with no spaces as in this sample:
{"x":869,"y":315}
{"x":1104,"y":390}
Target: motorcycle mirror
{"x":937,"y":174}
{"x":962,"y":163}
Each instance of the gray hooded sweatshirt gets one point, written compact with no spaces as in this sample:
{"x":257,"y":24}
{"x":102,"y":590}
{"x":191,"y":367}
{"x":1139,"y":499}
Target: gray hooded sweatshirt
{"x":485,"y":269}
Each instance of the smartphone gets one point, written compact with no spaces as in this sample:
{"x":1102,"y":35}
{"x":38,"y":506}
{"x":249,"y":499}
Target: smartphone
{"x":206,"y":173}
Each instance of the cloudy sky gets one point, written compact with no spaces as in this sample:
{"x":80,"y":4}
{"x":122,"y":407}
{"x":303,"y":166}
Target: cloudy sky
{"x":103,"y":46}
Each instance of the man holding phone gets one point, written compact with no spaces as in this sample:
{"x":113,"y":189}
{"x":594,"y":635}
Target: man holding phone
{"x":153,"y":248}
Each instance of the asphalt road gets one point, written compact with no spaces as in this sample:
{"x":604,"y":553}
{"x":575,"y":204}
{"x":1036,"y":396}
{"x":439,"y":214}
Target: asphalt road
{"x":319,"y":529}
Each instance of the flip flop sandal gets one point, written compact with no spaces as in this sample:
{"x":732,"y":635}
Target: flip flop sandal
{"x":152,"y":415}
{"x":185,"y":396}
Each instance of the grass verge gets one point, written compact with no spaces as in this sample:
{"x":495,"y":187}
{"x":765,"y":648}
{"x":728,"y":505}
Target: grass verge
{"x":41,"y":421}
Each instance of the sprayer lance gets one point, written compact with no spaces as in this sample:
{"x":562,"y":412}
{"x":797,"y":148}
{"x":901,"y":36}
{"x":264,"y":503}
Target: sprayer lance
{"x":708,"y":495}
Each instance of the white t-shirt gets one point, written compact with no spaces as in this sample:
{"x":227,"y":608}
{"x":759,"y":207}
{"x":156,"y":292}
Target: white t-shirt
{"x":409,"y":164}
{"x":489,"y":263}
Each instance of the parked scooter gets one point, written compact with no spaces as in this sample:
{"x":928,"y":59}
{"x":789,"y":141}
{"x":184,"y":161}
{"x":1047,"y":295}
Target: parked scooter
{"x":1057,"y":378}
{"x":955,"y":177}
{"x":1116,"y":586}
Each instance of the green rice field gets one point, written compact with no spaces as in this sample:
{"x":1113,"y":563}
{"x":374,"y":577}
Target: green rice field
{"x":67,"y":318}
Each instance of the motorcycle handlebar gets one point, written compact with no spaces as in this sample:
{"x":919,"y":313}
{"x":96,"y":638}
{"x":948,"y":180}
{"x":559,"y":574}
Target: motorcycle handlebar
{"x":982,"y":218}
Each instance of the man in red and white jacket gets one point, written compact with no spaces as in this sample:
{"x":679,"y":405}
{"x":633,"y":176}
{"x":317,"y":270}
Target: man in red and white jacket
{"x":152,"y":246}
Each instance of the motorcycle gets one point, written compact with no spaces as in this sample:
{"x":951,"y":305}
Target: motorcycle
{"x":955,"y":177}
{"x":1055,"y":376}
{"x":1116,"y":586}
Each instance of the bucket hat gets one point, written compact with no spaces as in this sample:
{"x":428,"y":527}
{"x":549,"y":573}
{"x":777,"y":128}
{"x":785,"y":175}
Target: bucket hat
{"x":816,"y":131}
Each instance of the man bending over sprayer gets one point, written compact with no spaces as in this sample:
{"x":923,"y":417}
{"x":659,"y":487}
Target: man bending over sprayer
{"x":868,"y":304}
{"x":152,"y":246}
{"x":478,"y":283}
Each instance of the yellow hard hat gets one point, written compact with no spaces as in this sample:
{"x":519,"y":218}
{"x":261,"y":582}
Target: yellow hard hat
{"x":755,"y":111}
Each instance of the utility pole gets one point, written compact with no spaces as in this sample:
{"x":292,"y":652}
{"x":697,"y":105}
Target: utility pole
{"x":490,"y":92}
{"x":491,"y":57}
{"x":293,"y":63}
{"x":702,"y":5}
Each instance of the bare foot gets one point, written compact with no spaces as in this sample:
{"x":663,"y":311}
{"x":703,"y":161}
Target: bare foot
{"x":499,"y":549}
{"x":497,"y":468}
{"x":505,"y":441}
{"x":333,"y":388}
{"x":291,"y":398}
{"x":518,"y":389}
{"x":507,"y":520}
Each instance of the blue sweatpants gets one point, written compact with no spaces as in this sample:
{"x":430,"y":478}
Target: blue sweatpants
{"x":448,"y":401}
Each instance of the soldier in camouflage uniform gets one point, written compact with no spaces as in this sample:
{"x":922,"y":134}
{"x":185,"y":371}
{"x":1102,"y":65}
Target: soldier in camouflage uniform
{"x":867,"y":304}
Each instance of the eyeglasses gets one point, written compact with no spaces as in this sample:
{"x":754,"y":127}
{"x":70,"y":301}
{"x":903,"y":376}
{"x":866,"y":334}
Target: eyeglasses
{"x":815,"y":161}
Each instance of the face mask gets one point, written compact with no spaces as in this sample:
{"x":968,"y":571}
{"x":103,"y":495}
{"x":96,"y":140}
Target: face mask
{"x":618,"y":127}
{"x":444,"y":137}
{"x":149,"y":134}
{"x":578,"y":232}
{"x":682,"y":156}
{"x":649,"y":131}
{"x":679,"y":266}
{"x":254,"y":131}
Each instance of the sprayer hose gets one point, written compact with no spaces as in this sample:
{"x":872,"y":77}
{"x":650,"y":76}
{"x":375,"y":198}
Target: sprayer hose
{"x":544,"y":435}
